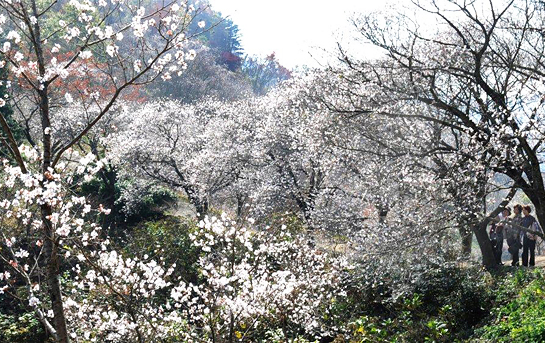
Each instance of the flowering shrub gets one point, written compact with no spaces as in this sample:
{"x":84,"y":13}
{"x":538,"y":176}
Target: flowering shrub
{"x":23,"y":245}
{"x":21,"y":328}
{"x":248,"y":280}
{"x":116,"y":299}
{"x":254,"y":281}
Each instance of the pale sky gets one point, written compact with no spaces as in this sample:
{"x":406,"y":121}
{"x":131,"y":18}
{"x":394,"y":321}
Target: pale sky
{"x":292,"y":28}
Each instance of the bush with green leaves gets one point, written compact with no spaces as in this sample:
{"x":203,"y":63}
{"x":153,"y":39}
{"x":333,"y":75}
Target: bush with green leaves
{"x":518,"y":316}
{"x":436,"y":303}
{"x":131,"y":201}
{"x":167,"y":240}
{"x":21,"y":328}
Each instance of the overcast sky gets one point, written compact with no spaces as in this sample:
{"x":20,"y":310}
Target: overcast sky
{"x":292,"y":28}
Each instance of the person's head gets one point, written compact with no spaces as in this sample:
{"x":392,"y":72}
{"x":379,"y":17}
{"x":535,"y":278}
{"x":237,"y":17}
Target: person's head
{"x":517,"y":209}
{"x":526,"y":210}
{"x":506,"y":212}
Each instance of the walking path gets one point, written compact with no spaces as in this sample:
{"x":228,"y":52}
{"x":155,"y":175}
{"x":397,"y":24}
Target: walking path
{"x":540,"y":261}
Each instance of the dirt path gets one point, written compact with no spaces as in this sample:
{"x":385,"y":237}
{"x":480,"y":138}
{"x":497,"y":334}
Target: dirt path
{"x":540,"y":261}
{"x":540,"y":258}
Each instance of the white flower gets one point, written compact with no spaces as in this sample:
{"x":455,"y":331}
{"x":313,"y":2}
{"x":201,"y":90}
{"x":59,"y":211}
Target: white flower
{"x":201,"y":24}
{"x":21,"y":253}
{"x":111,"y":50}
{"x":108,"y":31}
{"x":33,"y":301}
{"x":191,"y":54}
{"x":19,"y":56}
{"x":63,"y":230}
{"x":86,"y":54}
{"x":68,"y":98}
{"x":15,"y":36}
{"x":9,"y":242}
{"x":2,"y":102}
{"x":137,"y":65}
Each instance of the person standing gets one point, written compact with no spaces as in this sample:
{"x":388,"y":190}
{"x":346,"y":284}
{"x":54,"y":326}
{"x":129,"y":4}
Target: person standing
{"x":501,"y":230}
{"x":513,"y":234}
{"x":529,"y":240}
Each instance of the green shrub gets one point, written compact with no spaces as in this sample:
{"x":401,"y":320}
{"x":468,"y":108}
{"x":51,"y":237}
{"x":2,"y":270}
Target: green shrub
{"x":520,"y":315}
{"x":167,"y":240}
{"x":437,"y":304}
{"x":23,"y":328}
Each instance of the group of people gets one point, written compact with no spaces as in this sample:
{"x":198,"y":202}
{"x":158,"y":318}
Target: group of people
{"x":511,"y":227}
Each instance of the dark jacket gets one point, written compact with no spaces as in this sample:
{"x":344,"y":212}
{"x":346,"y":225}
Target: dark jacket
{"x":527,"y":221}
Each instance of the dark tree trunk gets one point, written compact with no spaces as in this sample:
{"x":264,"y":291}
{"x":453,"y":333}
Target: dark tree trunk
{"x":201,"y":205}
{"x":51,"y":255}
{"x":240,"y":205}
{"x":538,"y":200}
{"x":467,"y":241}
{"x":489,"y":261}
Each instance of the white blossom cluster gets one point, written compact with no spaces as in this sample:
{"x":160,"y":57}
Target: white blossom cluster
{"x":118,"y":299}
{"x":251,"y":280}
{"x":84,"y":26}
{"x":257,"y":277}
{"x":22,"y":224}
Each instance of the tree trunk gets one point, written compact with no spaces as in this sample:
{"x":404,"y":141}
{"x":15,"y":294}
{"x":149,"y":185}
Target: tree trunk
{"x":201,"y":205}
{"x":51,"y":248}
{"x":240,"y":206}
{"x":540,"y":215}
{"x":489,"y":260}
{"x":51,"y":255}
{"x":537,"y":198}
{"x":467,"y":241}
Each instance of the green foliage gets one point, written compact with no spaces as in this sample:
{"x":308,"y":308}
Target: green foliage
{"x":21,"y":328}
{"x":440,"y":304}
{"x":467,"y":290}
{"x":286,"y":220}
{"x":519,"y":316}
{"x":453,"y":304}
{"x":412,"y":323}
{"x":147,"y":203}
{"x":167,"y":240}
